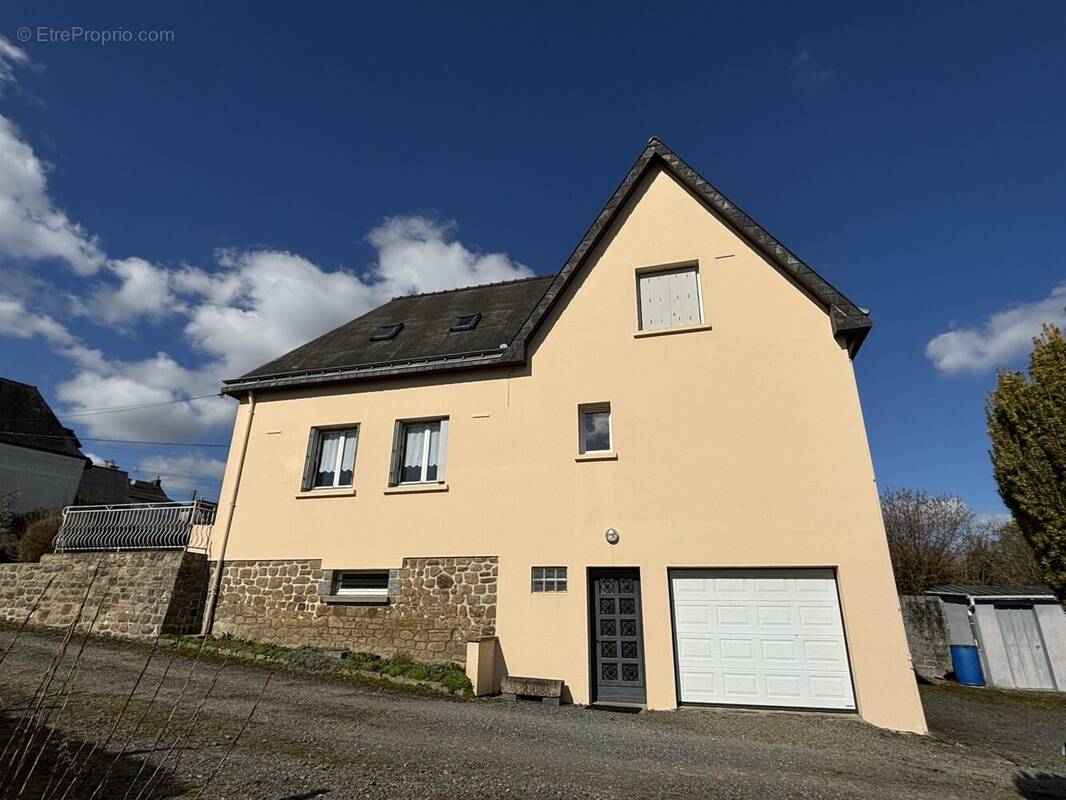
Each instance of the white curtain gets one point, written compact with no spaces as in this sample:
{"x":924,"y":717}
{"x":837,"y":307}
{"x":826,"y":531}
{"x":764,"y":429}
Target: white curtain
{"x":327,"y":459}
{"x":434,"y":451}
{"x":412,"y":453}
{"x":348,"y":459}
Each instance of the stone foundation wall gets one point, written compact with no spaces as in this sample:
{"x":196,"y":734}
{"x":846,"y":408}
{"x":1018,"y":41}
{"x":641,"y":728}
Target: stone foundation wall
{"x":435,"y":605}
{"x":927,"y":635}
{"x":137,"y":594}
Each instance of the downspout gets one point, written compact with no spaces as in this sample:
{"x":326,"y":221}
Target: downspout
{"x":216,"y":583}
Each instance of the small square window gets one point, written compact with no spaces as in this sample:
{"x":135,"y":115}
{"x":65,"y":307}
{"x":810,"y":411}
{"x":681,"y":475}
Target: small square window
{"x":595,"y":428}
{"x":549,"y":579}
{"x":386,"y":332}
{"x":369,"y":584}
{"x":466,"y":322}
{"x":332,"y":458}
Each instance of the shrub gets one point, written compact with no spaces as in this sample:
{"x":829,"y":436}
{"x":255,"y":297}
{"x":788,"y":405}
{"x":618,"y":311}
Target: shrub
{"x":36,"y":539}
{"x":418,"y":672}
{"x":397,"y":665}
{"x":455,"y":679}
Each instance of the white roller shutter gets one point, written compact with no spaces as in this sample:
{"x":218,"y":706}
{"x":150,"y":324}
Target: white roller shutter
{"x":669,"y":299}
{"x":767,"y":637}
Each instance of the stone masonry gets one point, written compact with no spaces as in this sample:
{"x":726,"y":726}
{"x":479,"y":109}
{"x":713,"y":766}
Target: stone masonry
{"x":137,"y":594}
{"x":434,"y":606}
{"x":927,"y":635}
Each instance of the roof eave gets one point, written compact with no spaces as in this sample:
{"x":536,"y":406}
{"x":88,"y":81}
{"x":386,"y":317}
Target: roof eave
{"x":238,"y":386}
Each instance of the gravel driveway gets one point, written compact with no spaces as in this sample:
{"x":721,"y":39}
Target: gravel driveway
{"x":314,"y":737}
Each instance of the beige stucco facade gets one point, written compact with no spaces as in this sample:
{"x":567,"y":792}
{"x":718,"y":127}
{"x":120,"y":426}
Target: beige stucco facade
{"x":739,"y":443}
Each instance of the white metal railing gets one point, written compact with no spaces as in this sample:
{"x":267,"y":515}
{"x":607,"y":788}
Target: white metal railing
{"x":137,"y":526}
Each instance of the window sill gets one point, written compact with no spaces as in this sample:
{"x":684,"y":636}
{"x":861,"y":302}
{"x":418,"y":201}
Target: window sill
{"x":607,"y":455}
{"x":416,"y":488}
{"x":354,"y":599}
{"x":668,"y":331}
{"x":347,"y":491}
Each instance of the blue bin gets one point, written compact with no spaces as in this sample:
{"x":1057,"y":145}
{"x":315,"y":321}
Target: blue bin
{"x":967,"y":665}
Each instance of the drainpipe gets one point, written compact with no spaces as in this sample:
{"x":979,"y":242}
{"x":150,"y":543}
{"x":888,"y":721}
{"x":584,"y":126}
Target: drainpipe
{"x":216,"y":583}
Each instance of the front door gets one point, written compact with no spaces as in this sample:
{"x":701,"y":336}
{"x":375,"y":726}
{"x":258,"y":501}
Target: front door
{"x":617,"y":636}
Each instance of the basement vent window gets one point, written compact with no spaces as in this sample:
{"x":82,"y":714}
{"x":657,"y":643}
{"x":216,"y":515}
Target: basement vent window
{"x":466,"y":322}
{"x":386,"y":332}
{"x":371,"y":586}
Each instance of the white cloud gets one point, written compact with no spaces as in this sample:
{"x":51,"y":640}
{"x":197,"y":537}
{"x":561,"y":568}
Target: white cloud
{"x":1002,"y":339}
{"x":144,"y":290}
{"x":249,"y":308}
{"x":415,"y":254}
{"x":263,"y":303}
{"x":31,"y":227}
{"x":807,"y":73}
{"x":11,"y":56}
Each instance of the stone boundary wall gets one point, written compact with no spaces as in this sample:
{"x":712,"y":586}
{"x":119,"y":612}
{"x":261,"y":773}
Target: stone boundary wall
{"x":434,"y":606}
{"x":927,"y":635}
{"x":139,"y":593}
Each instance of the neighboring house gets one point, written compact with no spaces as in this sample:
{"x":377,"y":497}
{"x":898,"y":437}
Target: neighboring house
{"x":148,"y":492}
{"x":1019,"y":631}
{"x":103,"y":485}
{"x":41,"y":463}
{"x":648,"y":475}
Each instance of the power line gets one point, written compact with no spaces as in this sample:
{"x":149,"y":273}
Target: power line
{"x":113,"y":441}
{"x":117,"y":409}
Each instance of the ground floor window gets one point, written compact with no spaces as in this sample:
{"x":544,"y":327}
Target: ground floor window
{"x":549,"y":579}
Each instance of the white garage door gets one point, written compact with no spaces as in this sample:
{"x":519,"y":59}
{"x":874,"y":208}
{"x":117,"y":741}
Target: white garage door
{"x":767,"y":637}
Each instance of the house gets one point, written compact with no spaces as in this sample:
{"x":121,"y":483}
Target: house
{"x":646,"y":475}
{"x":1019,"y":632}
{"x":148,"y":491}
{"x":103,"y":485}
{"x":41,"y":462}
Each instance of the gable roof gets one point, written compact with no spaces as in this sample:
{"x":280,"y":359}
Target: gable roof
{"x":343,"y":355}
{"x":26,"y":420}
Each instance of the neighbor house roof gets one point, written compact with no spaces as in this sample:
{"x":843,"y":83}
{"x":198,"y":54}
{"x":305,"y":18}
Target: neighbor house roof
{"x":148,"y":492}
{"x":519,"y":308}
{"x":27,"y":420}
{"x":992,"y":590}
{"x":103,"y":485}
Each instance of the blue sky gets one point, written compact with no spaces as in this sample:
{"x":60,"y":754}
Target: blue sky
{"x":172,"y":212}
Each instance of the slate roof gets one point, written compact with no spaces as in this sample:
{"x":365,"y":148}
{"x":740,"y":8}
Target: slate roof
{"x":103,"y":486}
{"x":27,"y":420}
{"x":147,"y":492}
{"x":426,"y":345}
{"x":973,"y":590}
{"x":426,"y":319}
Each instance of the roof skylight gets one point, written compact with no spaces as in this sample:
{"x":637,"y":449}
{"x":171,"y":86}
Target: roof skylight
{"x":466,"y":322}
{"x":386,"y":332}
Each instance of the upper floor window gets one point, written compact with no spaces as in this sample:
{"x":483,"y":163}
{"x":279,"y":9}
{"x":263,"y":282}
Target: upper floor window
{"x":669,"y":298}
{"x":419,"y":451}
{"x":595,"y":428}
{"x":331,"y":458}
